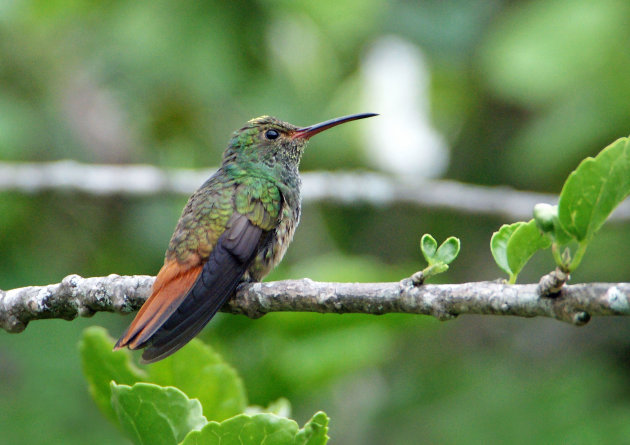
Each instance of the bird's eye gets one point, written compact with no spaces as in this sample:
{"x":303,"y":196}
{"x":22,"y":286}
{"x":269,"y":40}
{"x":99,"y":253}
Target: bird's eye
{"x":271,"y":134}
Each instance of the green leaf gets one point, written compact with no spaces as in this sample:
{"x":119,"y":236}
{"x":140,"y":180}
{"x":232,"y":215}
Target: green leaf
{"x":196,"y":369}
{"x":151,"y":414}
{"x":514,"y":244}
{"x":261,"y":429}
{"x":448,"y":251}
{"x":101,"y":365}
{"x":246,"y":430}
{"x":428,"y":245}
{"x":560,"y":235}
{"x":315,"y":431}
{"x":202,"y":374}
{"x":524,"y":242}
{"x":499,"y":243}
{"x":594,"y":189}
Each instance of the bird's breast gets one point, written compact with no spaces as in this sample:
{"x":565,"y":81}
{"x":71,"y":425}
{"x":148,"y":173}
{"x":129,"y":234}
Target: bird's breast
{"x":273,"y":251}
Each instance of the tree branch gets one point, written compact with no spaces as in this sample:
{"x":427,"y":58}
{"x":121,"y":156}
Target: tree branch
{"x":372,"y":188}
{"x":77,"y":296}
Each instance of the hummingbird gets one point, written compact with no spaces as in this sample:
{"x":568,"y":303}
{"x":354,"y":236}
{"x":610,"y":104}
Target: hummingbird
{"x":235,"y":228}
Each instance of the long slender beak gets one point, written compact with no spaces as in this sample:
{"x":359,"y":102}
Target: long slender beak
{"x":312,"y":130}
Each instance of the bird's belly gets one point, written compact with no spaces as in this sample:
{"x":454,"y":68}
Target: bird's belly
{"x":273,"y":252}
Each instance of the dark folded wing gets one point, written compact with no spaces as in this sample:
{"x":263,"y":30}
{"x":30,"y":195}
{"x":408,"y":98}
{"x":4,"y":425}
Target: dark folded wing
{"x":221,"y":273}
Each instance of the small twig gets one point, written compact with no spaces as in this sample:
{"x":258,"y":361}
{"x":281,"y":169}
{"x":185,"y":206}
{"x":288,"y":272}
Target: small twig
{"x":417,"y":279}
{"x":76,"y":296}
{"x":550,"y":284}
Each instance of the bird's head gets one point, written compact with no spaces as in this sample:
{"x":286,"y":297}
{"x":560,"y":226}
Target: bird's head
{"x":269,"y":141}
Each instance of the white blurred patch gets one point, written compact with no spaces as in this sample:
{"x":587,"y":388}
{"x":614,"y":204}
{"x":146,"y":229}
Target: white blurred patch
{"x":396,"y":85}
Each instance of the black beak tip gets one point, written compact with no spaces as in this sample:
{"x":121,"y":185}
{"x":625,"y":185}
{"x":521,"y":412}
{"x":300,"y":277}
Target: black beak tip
{"x":307,"y":132}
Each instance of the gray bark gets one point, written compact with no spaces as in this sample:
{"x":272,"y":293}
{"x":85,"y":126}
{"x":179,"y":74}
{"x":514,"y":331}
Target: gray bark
{"x":77,"y":296}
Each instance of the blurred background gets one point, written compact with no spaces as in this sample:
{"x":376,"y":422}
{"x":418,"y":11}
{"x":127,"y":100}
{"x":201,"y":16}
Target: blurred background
{"x":487,"y":92}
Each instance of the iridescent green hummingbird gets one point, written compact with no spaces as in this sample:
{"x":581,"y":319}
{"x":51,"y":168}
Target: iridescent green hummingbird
{"x":235,"y":228}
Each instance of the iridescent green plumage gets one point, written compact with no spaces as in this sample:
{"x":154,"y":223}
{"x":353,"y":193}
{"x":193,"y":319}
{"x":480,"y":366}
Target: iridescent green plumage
{"x":236,"y":227}
{"x":258,"y":179}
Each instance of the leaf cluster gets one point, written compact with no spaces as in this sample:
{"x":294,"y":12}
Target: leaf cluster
{"x":588,"y":197}
{"x":438,"y":258}
{"x":192,"y":397}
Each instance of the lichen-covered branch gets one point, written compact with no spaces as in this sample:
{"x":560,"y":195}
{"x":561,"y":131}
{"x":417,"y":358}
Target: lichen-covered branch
{"x":74,"y":296}
{"x":77,"y":296}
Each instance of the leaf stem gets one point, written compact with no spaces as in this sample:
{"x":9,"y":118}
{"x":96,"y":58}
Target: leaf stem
{"x":434,"y":269}
{"x":577,"y":259}
{"x":557,"y":256}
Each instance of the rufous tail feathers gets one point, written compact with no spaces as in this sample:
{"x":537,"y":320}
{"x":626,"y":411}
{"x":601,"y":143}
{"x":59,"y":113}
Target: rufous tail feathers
{"x":169,"y":290}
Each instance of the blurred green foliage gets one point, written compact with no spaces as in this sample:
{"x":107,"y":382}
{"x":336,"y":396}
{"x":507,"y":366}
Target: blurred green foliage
{"x":522,"y":91}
